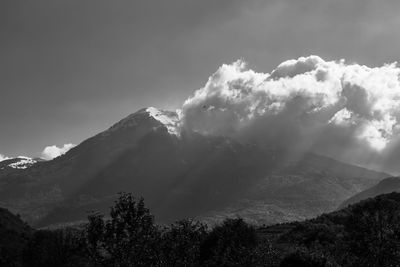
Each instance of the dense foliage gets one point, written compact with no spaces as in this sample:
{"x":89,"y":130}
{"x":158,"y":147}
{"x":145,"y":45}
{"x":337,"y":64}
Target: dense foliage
{"x":14,"y":235}
{"x":365,"y":234}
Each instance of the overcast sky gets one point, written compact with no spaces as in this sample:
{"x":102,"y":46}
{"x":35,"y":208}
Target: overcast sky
{"x":69,"y":69}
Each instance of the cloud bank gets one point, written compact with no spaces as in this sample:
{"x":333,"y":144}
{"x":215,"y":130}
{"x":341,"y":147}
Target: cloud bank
{"x":51,"y":152}
{"x":348,"y":111}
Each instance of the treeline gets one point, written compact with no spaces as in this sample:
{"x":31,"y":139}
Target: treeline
{"x":130,"y":237}
{"x":366,"y":234}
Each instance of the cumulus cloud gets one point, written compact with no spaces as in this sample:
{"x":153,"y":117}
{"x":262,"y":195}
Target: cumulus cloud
{"x":2,"y":157}
{"x":51,"y":152}
{"x":311,"y":104}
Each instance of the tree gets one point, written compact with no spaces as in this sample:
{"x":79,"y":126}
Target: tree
{"x":63,"y":247}
{"x":373,"y":232}
{"x":95,"y":242}
{"x":181,"y":243}
{"x":229,"y":244}
{"x":265,"y":254}
{"x":128,"y":238}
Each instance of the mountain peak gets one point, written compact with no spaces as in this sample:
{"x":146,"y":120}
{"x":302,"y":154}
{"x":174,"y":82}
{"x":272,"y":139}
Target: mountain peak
{"x":168,"y":119}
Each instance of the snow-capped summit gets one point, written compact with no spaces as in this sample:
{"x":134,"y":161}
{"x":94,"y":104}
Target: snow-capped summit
{"x":169,"y":119}
{"x":20,"y":162}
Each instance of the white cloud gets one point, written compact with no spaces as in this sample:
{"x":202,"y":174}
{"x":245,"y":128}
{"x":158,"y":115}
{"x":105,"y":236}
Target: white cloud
{"x":2,"y":157}
{"x":51,"y":152}
{"x":305,"y":102}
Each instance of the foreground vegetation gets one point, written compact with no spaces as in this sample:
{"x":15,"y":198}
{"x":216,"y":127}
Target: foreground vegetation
{"x":365,"y":234}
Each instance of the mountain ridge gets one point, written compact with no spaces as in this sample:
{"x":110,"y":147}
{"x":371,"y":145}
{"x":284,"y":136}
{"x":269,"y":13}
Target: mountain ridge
{"x":180,"y":175}
{"x":385,"y":186}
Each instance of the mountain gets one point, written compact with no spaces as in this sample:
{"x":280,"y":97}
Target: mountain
{"x":180,"y":174}
{"x":299,"y":190}
{"x":388,"y":185}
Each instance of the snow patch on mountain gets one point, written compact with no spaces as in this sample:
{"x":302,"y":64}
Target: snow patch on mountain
{"x":22,"y":163}
{"x":167,"y":118}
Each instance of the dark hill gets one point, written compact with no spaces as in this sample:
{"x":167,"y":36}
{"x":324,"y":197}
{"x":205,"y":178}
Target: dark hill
{"x":385,"y":186}
{"x":364,"y":234}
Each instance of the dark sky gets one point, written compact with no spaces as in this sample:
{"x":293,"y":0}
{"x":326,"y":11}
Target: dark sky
{"x":69,"y":69}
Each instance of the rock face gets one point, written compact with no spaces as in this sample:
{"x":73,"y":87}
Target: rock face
{"x":388,"y":185}
{"x":180,"y":175}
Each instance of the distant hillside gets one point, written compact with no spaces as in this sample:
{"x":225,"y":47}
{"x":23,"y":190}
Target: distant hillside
{"x":385,"y":186}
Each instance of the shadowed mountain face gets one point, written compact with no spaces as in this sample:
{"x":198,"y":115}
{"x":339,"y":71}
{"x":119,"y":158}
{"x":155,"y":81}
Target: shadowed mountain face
{"x":298,"y":190}
{"x":179,"y":175}
{"x":388,"y":185}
